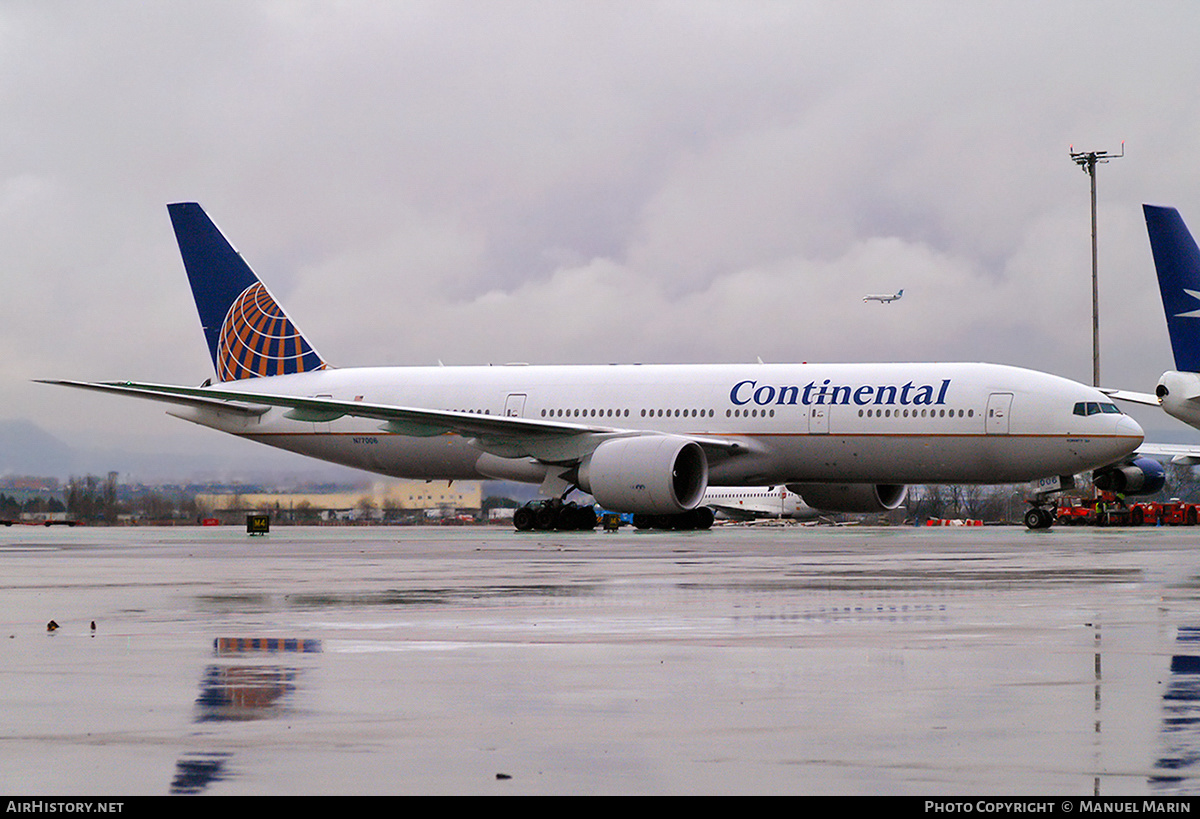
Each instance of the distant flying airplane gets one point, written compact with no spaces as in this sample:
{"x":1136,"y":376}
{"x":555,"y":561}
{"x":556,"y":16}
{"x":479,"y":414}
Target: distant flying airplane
{"x":884,"y":298}
{"x":645,"y":439}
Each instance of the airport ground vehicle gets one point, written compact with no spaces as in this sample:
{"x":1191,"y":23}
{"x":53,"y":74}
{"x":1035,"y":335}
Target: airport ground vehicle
{"x":1109,"y":509}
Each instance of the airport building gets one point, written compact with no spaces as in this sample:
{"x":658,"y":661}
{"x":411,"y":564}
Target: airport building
{"x":384,"y":502}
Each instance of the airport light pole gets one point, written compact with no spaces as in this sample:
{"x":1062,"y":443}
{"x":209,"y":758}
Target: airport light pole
{"x":1088,"y":161}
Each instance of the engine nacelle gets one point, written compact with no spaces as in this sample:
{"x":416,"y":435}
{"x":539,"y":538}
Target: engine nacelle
{"x":851,"y":497}
{"x":1141,"y":476}
{"x":653,"y":474}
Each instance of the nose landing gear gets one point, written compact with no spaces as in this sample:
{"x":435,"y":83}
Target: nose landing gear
{"x":1039,"y":517}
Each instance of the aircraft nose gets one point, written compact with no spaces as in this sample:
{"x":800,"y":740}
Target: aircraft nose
{"x":1130,"y":427}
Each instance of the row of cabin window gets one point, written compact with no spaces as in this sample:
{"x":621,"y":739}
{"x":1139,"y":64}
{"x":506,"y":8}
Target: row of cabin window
{"x":745,"y":413}
{"x":577,"y":413}
{"x":595,"y":413}
{"x":925,"y":413}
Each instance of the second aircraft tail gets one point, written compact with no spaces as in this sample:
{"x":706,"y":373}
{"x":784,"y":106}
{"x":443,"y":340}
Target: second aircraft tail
{"x":1177,"y":261}
{"x":248,"y":333}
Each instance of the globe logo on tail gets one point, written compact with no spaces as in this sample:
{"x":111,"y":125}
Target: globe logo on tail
{"x":258,"y":339}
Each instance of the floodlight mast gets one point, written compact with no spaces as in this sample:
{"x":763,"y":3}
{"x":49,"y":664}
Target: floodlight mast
{"x":1088,"y":160}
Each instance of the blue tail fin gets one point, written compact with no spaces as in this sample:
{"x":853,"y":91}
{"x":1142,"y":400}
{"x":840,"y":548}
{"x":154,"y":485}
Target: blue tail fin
{"x":248,"y":334}
{"x":1177,"y":260}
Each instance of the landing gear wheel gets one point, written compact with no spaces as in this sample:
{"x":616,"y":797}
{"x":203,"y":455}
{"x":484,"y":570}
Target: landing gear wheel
{"x":544,"y":516}
{"x":585,"y":518}
{"x":702,"y":517}
{"x":1038,"y":518}
{"x":523,"y":519}
{"x":699,"y":518}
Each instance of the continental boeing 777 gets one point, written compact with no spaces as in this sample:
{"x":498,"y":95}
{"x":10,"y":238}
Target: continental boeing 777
{"x":639,"y":438}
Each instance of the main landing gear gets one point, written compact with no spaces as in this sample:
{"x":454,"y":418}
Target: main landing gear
{"x":699,"y":518}
{"x":546,"y":515}
{"x":565,"y":516}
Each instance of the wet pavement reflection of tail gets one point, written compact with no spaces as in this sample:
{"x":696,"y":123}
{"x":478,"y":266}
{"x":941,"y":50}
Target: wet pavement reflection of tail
{"x":1179,"y":766}
{"x":237,"y":691}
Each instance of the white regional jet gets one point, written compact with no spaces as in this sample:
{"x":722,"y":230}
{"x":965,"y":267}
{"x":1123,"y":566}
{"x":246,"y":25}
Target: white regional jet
{"x":642,"y":439}
{"x":752,"y":502}
{"x":884,"y":298}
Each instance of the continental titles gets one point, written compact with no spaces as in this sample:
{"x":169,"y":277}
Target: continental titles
{"x":827,"y":393}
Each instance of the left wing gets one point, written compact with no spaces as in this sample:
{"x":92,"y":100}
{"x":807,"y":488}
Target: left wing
{"x":1178,"y":453}
{"x":505,"y":436}
{"x":1134,"y":397}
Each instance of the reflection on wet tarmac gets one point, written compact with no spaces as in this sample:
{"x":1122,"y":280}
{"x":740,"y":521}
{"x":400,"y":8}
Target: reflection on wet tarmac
{"x":389,"y":597}
{"x":195,"y":772}
{"x":1180,"y":760}
{"x":224,"y":646}
{"x":237,"y":692}
{"x":424,"y":661}
{"x":243,"y":692}
{"x":943,"y":578}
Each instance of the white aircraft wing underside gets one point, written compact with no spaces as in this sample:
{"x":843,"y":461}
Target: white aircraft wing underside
{"x":1178,"y":453}
{"x":506,"y":436}
{"x":1133,"y":397}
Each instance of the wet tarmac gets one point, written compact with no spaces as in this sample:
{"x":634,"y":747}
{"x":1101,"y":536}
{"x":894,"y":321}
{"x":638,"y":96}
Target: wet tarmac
{"x":743,"y":660}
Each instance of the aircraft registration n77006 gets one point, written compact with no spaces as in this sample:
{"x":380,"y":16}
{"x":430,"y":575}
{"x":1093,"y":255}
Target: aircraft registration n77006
{"x":644,"y":439}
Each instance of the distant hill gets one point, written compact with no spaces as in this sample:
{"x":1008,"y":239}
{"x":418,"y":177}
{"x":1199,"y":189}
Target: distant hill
{"x":27,"y":449}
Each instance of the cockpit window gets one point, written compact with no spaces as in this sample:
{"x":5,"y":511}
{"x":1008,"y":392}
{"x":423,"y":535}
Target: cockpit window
{"x":1096,"y":407}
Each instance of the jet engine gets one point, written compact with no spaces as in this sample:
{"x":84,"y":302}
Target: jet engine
{"x":851,"y":497}
{"x":652,"y":474}
{"x":1141,"y":476}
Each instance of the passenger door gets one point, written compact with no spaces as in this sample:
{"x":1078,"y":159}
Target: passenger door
{"x":514,"y":407}
{"x":998,"y":406}
{"x":818,"y":419}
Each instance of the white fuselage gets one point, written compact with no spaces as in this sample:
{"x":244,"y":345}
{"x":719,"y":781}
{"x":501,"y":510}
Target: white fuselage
{"x":796,"y":423}
{"x":742,"y":502}
{"x":1179,"y":392}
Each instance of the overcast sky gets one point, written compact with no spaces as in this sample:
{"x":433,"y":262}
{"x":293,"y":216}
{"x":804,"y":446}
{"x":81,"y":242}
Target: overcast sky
{"x":582,"y":182}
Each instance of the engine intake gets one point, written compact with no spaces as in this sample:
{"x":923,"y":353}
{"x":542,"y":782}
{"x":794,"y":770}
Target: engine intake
{"x":851,"y":497}
{"x":1141,"y":476}
{"x":654,"y":474}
